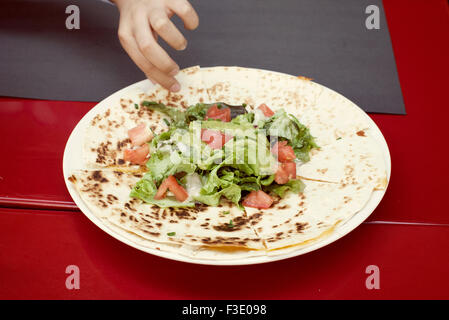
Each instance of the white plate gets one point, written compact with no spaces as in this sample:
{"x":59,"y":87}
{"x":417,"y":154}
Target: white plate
{"x":73,"y":161}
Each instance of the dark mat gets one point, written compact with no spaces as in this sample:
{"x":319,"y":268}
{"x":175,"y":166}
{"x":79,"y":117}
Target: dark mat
{"x":322,"y":39}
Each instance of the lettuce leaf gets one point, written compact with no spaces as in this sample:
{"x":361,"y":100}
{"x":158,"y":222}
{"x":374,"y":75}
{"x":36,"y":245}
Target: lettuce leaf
{"x":286,"y":126}
{"x":176,"y":115}
{"x":295,"y":186}
{"x":232,"y":193}
{"x":180,"y":118}
{"x":161,"y":165}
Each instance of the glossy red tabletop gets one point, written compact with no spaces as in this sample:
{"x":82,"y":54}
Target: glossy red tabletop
{"x":412,"y":262}
{"x":43,"y":232}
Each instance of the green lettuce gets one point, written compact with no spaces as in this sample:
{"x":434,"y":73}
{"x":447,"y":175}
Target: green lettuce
{"x":161,"y":165}
{"x":232,"y":193}
{"x":295,"y":186}
{"x":286,"y":126}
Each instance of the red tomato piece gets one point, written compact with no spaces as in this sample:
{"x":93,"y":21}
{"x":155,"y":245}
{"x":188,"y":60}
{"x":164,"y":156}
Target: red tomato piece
{"x":290,"y":168}
{"x":214,"y":138}
{"x":284,"y":152}
{"x":171,"y":184}
{"x":258,"y":199}
{"x":285,"y":172}
{"x":137,"y":156}
{"x":162,"y":190}
{"x":223,"y":114}
{"x":139,"y":135}
{"x":266,"y":110}
{"x":281,"y":176}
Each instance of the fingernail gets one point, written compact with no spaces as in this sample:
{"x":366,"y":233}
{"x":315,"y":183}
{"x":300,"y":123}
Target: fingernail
{"x":174,"y":72}
{"x":175,"y":88}
{"x":184,"y":46}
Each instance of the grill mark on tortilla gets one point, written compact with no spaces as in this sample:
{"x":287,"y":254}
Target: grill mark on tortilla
{"x":301,"y":226}
{"x":96,"y":175}
{"x":155,"y":234}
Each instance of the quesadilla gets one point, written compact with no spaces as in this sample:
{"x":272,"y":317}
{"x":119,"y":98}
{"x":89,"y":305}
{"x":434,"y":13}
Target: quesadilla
{"x":240,"y":163}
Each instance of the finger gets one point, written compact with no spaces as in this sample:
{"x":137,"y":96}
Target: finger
{"x":186,"y":12}
{"x":132,"y":49}
{"x":167,"y":30}
{"x":126,"y":40}
{"x":150,"y":49}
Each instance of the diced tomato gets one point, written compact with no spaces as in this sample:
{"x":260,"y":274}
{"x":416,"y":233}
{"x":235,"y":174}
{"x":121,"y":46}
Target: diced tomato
{"x":139,"y":135}
{"x":162,"y":190}
{"x":171,"y":184}
{"x":290,"y":168}
{"x":285,"y":172}
{"x":284,"y":152}
{"x":281,"y":176}
{"x":214,"y":138}
{"x":258,"y":199}
{"x":223,"y":114}
{"x":137,"y":156}
{"x":266,"y":111}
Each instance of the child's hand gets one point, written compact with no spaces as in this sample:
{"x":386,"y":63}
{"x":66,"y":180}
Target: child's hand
{"x":141,"y":21}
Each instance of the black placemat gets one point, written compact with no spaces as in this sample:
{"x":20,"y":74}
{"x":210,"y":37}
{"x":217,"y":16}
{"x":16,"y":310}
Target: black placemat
{"x":326,"y":40}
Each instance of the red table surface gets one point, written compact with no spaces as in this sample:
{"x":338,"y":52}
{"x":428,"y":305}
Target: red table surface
{"x":36,"y":247}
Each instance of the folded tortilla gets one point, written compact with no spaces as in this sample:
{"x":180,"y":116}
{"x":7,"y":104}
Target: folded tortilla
{"x":340,"y":178}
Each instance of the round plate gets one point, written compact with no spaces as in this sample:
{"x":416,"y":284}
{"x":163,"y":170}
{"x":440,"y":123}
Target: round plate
{"x":73,"y":160}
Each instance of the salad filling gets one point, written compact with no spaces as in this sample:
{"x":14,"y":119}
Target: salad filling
{"x":215,"y":151}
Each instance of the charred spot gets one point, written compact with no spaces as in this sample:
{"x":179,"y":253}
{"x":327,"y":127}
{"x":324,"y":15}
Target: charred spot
{"x":201,"y":207}
{"x":204,"y":224}
{"x":156,"y":234}
{"x":361,"y":133}
{"x":128,"y":206}
{"x":103,"y":203}
{"x":72,"y":178}
{"x":111,"y":198}
{"x":180,"y":213}
{"x":300,"y":226}
{"x":237,"y":224}
{"x":206,"y":240}
{"x":122,"y":214}
{"x":96,"y":175}
{"x":255,"y":218}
